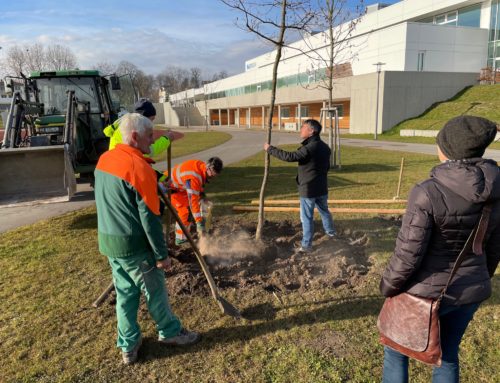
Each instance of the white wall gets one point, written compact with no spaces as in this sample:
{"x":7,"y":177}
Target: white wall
{"x":447,"y":48}
{"x":389,"y":36}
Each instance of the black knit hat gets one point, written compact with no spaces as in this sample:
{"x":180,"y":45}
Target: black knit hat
{"x":145,"y":107}
{"x":466,"y":137}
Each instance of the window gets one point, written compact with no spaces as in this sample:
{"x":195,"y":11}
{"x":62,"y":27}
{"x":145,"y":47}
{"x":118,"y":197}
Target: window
{"x":304,"y":111}
{"x":285,"y":112}
{"x":251,"y":65}
{"x":469,"y":16}
{"x":449,"y":18}
{"x":420,"y":61}
{"x":340,"y":110}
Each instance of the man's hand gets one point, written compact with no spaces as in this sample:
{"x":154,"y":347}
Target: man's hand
{"x":266,"y":146}
{"x":169,"y":134}
{"x":164,"y":264}
{"x":200,"y":227}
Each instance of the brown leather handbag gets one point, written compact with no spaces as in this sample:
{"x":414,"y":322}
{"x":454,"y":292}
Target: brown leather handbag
{"x":410,"y":324}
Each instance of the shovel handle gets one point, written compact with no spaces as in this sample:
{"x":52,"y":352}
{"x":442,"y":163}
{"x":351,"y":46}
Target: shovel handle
{"x":104,"y":295}
{"x":199,"y":257}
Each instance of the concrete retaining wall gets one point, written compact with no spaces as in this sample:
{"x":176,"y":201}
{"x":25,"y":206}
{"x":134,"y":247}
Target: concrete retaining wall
{"x":402,"y":95}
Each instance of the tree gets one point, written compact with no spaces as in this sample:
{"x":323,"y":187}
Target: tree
{"x":271,"y":25}
{"x":60,"y":57}
{"x":105,"y":68}
{"x":15,"y":60}
{"x":339,"y":19}
{"x":195,"y":80}
{"x":220,"y":75}
{"x":36,"y":57}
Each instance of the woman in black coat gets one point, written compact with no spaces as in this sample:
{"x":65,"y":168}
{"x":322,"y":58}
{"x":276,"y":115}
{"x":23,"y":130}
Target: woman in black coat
{"x":442,"y":211}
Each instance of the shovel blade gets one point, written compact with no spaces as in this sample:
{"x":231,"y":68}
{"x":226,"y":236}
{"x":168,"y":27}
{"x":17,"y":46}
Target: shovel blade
{"x":227,"y":308}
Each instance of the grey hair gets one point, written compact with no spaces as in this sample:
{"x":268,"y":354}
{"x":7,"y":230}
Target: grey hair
{"x":133,"y":122}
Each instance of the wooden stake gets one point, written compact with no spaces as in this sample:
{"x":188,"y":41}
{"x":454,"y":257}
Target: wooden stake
{"x":330,"y":201}
{"x":332,"y":210}
{"x":400,"y":177}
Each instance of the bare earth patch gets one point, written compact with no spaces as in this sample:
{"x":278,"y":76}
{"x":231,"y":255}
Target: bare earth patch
{"x":237,"y":260}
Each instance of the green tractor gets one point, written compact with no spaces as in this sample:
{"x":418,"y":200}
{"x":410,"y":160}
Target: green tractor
{"x":54,"y":131}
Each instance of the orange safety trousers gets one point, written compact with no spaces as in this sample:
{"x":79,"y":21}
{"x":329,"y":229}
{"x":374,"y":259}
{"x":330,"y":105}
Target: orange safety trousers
{"x":181,"y":203}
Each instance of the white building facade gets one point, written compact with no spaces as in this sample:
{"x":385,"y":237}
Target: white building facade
{"x":428,"y":51}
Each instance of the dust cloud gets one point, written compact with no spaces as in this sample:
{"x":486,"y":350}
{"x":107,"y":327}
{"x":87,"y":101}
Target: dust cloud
{"x":227,"y":249}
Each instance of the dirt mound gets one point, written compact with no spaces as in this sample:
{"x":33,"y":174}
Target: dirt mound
{"x":237,"y":260}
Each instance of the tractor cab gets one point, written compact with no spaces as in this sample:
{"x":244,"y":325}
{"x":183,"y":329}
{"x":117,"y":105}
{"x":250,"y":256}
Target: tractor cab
{"x":56,"y":127}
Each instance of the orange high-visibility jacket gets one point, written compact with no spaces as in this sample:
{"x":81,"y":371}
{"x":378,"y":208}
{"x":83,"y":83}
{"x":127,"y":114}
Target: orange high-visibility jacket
{"x":190,"y":177}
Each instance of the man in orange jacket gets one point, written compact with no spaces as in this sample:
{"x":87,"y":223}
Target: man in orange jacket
{"x":186,"y":183}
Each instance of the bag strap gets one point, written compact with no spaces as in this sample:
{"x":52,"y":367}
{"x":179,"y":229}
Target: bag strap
{"x":475,"y":241}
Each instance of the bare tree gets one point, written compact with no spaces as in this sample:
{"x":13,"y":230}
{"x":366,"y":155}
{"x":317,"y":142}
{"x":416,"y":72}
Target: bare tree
{"x":338,"y":19}
{"x":271,"y":26}
{"x":174,"y":79}
{"x":195,"y":80}
{"x":15,"y":60}
{"x":105,"y":68}
{"x":58,"y":57}
{"x":220,"y":75}
{"x":36,"y":57}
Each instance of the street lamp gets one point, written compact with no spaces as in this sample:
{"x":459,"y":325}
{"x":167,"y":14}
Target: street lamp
{"x":379,"y":68}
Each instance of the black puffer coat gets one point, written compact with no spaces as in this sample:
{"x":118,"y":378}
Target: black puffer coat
{"x":314,"y":162}
{"x":441,"y":213}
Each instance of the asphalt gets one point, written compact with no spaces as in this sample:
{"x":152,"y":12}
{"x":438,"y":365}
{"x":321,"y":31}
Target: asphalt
{"x":243,"y":144}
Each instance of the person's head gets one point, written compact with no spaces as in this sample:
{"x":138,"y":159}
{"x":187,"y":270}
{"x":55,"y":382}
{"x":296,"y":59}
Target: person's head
{"x":137,"y":131}
{"x":310,"y":128}
{"x":146,"y":108}
{"x":465,"y":137}
{"x":214,"y":166}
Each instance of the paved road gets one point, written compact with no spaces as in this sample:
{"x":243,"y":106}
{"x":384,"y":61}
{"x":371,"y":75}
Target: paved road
{"x":243,"y":144}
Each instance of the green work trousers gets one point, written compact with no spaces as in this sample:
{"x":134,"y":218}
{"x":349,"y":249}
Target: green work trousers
{"x":130,"y":276}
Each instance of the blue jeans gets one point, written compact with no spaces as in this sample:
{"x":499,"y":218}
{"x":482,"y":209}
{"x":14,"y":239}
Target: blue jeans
{"x":453,"y":322}
{"x":307,"y":217}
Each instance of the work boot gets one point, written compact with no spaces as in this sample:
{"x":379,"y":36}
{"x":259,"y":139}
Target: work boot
{"x":184,"y":338}
{"x":299,"y":249}
{"x":303,"y":250}
{"x":130,"y":357}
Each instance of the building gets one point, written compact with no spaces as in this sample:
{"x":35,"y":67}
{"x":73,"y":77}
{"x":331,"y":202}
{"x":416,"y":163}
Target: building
{"x":426,"y":52}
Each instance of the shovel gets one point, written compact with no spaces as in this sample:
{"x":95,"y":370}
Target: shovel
{"x":225,"y":306}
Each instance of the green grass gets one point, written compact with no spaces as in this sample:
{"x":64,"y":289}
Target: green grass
{"x":479,"y":100}
{"x":52,"y":271}
{"x":194,"y":142}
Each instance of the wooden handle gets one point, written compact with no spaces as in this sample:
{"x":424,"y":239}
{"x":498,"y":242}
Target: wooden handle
{"x":199,"y":257}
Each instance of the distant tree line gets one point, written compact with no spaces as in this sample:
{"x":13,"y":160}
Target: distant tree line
{"x":37,"y":57}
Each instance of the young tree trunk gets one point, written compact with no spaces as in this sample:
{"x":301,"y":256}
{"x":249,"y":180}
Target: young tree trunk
{"x":260,"y":221}
{"x":330,"y":10}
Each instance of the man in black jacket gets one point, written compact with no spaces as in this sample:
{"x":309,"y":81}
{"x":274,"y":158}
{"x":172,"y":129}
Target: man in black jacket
{"x":312,"y":178}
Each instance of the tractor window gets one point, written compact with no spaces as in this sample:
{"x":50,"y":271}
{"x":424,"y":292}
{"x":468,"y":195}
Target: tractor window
{"x":53,"y":93}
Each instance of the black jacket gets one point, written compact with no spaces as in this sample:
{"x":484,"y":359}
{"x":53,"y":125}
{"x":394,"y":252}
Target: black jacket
{"x":441,"y":213}
{"x":314,"y":162}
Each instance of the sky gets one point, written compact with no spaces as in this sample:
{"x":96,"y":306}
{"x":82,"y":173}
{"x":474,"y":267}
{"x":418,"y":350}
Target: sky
{"x":152,"y":34}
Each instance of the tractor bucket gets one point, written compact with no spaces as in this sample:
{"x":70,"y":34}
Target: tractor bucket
{"x":36,"y":174}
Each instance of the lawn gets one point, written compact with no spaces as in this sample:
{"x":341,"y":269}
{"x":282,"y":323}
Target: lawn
{"x":194,"y":142}
{"x":51,"y":273}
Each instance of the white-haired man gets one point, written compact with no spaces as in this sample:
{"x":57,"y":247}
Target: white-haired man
{"x":130,"y":234}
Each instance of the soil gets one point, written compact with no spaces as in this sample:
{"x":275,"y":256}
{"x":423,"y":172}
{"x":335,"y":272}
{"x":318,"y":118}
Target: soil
{"x":236,"y":260}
